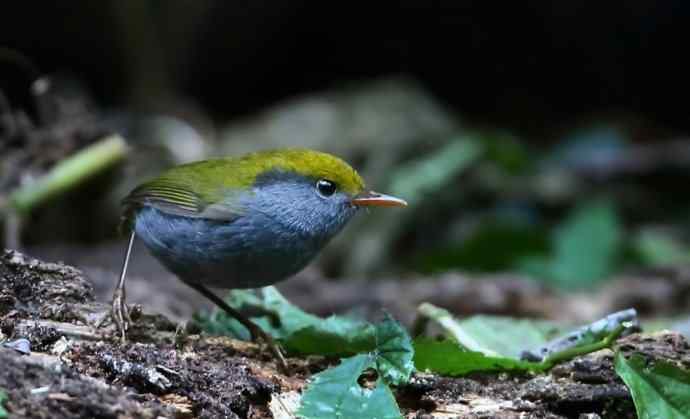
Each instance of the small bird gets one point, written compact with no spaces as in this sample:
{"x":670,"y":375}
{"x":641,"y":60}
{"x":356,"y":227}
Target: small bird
{"x":242,"y":222}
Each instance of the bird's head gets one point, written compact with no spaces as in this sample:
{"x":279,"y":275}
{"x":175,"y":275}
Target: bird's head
{"x":310,"y":190}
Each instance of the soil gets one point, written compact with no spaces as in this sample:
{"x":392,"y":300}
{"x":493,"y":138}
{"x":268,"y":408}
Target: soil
{"x":75,"y":370}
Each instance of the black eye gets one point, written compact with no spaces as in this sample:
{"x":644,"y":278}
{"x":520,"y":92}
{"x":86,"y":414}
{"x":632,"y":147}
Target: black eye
{"x":325,"y":187}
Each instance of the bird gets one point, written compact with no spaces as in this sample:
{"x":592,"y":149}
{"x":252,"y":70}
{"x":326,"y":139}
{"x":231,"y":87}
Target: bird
{"x":242,"y":222}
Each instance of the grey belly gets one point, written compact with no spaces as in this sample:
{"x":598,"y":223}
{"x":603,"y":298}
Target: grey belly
{"x":249,"y":252}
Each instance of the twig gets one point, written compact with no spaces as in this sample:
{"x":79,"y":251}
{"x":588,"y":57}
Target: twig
{"x":68,"y":173}
{"x":571,"y":353}
{"x":135,"y":373}
{"x":13,"y":225}
{"x":594,"y":331}
{"x":66,"y":329}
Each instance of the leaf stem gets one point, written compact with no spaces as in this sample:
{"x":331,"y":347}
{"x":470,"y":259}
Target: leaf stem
{"x":573,"y":352}
{"x":68,"y":173}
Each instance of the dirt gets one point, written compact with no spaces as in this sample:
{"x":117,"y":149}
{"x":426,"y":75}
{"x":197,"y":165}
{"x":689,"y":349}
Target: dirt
{"x":584,"y":386}
{"x":37,"y":392}
{"x":76,"y":370}
{"x":211,"y":378}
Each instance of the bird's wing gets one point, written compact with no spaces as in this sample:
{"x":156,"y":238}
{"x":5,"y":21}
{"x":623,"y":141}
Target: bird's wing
{"x":190,"y":190}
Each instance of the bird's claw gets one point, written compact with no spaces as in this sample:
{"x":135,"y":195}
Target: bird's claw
{"x":258,"y":334}
{"x":120,"y":314}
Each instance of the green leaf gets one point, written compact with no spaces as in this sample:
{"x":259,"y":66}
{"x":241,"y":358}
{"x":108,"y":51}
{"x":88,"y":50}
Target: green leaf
{"x":586,"y":248}
{"x":336,"y":393}
{"x":661,"y":390}
{"x":304,"y":333}
{"x":217,"y":323}
{"x":508,"y":336}
{"x":3,"y":398}
{"x":394,"y":352}
{"x":388,"y":340}
{"x":299,"y":331}
{"x":486,"y":343}
{"x":290,"y":318}
{"x":334,"y":336}
{"x":448,"y":358}
{"x":493,"y":335}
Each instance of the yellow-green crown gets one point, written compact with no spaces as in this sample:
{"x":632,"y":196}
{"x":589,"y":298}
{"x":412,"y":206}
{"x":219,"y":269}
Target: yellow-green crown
{"x":190,"y":188}
{"x":305,"y":162}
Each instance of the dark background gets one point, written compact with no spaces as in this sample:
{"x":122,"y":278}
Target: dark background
{"x":531,"y":67}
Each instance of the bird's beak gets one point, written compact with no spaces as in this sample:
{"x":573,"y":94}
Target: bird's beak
{"x":375,"y":199}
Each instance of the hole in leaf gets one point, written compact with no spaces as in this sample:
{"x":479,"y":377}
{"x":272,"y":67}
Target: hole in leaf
{"x":368,"y":378}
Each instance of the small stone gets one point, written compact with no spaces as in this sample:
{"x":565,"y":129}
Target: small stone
{"x":23,"y":346}
{"x":60,"y":347}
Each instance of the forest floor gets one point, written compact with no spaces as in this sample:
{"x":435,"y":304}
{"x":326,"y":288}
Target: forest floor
{"x":71,"y":369}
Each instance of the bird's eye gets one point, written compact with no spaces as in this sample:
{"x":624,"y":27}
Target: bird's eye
{"x":325,"y":187}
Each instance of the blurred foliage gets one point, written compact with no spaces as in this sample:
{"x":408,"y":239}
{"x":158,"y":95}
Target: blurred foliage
{"x":416,"y":179}
{"x":3,"y":399}
{"x":572,"y":216}
{"x":596,"y":145}
{"x":654,"y":248}
{"x":585,"y":248}
{"x":508,"y":153}
{"x":494,"y":245}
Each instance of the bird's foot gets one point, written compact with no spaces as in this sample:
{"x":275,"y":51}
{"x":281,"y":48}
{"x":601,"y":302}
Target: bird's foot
{"x":120,"y":314}
{"x":256,"y":332}
{"x":259,"y":335}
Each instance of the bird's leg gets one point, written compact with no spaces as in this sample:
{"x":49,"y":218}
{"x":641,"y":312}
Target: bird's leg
{"x":120,"y":312}
{"x":255,"y":331}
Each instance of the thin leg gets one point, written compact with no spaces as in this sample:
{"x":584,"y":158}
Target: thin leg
{"x":120,"y":312}
{"x":256,"y":332}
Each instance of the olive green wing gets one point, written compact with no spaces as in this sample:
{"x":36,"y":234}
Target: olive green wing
{"x":196,"y":190}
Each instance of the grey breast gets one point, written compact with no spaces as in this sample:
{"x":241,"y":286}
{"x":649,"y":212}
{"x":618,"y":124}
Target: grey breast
{"x":249,"y":252}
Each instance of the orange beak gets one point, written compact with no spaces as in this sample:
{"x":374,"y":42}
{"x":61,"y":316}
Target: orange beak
{"x":375,"y":199}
